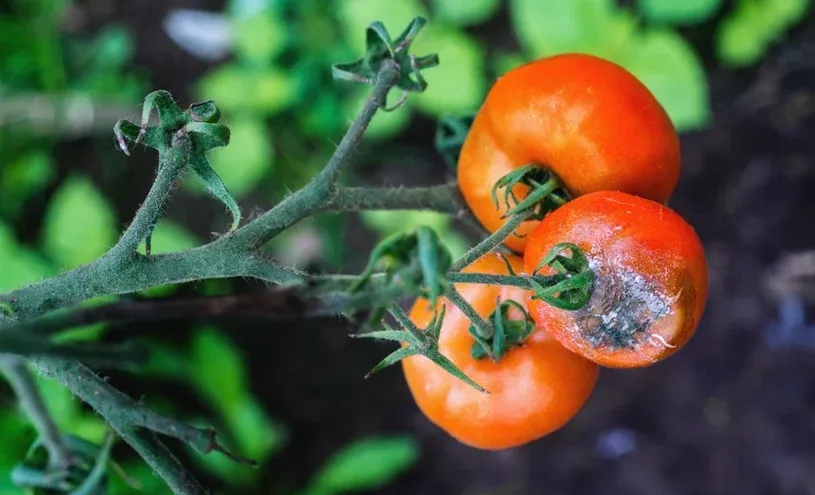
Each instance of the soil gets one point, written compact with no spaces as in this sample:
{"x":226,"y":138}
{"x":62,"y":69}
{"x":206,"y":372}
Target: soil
{"x":731,"y":414}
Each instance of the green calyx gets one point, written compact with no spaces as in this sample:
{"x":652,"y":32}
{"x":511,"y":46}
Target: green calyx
{"x":505,"y":334}
{"x":85,"y":475}
{"x":415,"y":341}
{"x":451,"y":131}
{"x":417,"y":257}
{"x":546,"y":192}
{"x":571,"y":285}
{"x":182,"y":139}
{"x":380,"y":50}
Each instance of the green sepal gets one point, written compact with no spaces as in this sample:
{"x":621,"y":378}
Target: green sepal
{"x":573,"y":289}
{"x":451,"y":131}
{"x":545,"y":194}
{"x":506,"y":334}
{"x":379,"y":47}
{"x":206,"y":111}
{"x":215,"y":186}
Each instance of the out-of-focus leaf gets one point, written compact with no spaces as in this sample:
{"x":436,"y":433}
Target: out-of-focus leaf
{"x":112,"y":48}
{"x":367,"y":464}
{"x":505,"y":62}
{"x":667,"y":64}
{"x":357,"y":14}
{"x":257,"y":435}
{"x":80,"y":224}
{"x":24,"y":177}
{"x":247,"y":159}
{"x":458,"y":84}
{"x":219,"y":371}
{"x":169,"y":237}
{"x":260,"y":38}
{"x":19,"y":266}
{"x":384,"y":124}
{"x":747,"y":33}
{"x":547,"y":27}
{"x":465,"y":12}
{"x":259,"y":91}
{"x":678,"y":12}
{"x":142,"y":476}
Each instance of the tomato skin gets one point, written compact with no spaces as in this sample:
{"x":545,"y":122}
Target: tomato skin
{"x":650,"y":285}
{"x":534,"y":389}
{"x":588,"y":120}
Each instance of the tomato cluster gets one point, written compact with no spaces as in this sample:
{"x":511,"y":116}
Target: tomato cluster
{"x":609,"y":145}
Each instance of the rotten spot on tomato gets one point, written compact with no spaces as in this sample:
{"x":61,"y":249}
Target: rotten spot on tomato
{"x":623,"y":309}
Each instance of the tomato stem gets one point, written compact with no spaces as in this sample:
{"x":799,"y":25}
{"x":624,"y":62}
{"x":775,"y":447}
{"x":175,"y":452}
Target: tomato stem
{"x":495,"y":239}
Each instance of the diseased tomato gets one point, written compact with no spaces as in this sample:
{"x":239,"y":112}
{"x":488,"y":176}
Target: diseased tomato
{"x":588,"y":120}
{"x":650,"y":284}
{"x":534,"y":389}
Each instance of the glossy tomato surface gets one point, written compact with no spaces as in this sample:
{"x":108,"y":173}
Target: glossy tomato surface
{"x":534,"y":389}
{"x":591,"y":122}
{"x":650,"y":284}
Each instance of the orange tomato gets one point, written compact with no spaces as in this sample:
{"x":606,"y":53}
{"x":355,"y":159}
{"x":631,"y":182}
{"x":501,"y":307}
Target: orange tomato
{"x":588,"y":120}
{"x":650,"y":284}
{"x":534,"y":389}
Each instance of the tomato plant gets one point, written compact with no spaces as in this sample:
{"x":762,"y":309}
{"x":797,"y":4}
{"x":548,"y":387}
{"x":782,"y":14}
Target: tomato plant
{"x":534,"y":388}
{"x":650,"y":284}
{"x":588,"y":121}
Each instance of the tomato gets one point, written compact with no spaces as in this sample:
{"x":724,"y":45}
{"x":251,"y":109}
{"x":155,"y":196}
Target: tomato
{"x":588,"y":120}
{"x":534,"y":389}
{"x":650,"y":284}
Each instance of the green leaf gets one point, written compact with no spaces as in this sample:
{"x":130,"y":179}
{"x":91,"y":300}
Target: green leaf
{"x":678,"y":12}
{"x":465,"y":12}
{"x":747,"y":33}
{"x":548,"y":27}
{"x":113,"y":47}
{"x":260,"y":91}
{"x":168,"y":237}
{"x":260,"y":38}
{"x":248,"y":158}
{"x":80,"y":224}
{"x":367,"y":464}
{"x":218,"y":370}
{"x":24,"y":177}
{"x":458,"y":84}
{"x":257,"y":435}
{"x":669,"y":67}
{"x":19,"y":266}
{"x":384,"y":124}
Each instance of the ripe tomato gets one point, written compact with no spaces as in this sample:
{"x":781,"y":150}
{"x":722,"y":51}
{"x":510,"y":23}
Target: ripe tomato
{"x":588,"y":120}
{"x":534,"y":389}
{"x":650,"y":283}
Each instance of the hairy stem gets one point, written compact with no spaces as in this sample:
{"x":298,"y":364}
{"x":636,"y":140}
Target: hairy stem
{"x":483,"y":327}
{"x":19,"y":376}
{"x":170,"y":165}
{"x":317,"y":194}
{"x":124,"y":415}
{"x":490,"y":242}
{"x":444,"y":198}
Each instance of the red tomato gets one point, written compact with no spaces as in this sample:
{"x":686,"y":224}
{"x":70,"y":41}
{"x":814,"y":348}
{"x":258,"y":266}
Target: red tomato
{"x":588,"y":120}
{"x":650,"y":282}
{"x":534,"y":389}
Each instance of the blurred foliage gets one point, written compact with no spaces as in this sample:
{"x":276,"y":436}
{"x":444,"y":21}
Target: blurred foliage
{"x":286,"y":115}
